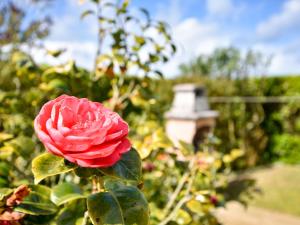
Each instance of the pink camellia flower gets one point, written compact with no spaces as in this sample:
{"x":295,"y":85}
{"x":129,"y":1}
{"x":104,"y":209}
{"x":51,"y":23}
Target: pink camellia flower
{"x":81,"y":131}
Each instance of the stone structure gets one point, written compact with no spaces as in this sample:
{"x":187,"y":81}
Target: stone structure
{"x":190,"y":118}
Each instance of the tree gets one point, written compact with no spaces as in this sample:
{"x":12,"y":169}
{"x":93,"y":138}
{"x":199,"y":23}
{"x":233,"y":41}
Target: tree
{"x":227,"y":62}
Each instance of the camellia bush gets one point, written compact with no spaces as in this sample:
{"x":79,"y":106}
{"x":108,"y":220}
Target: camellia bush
{"x":70,"y":160}
{"x":89,"y":140}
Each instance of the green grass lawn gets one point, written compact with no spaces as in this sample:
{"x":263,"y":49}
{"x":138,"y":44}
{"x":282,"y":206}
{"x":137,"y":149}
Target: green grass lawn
{"x":280,"y":186}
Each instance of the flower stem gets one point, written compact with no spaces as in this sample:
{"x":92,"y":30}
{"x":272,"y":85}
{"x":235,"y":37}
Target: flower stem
{"x":98,"y":184}
{"x":94,"y":185}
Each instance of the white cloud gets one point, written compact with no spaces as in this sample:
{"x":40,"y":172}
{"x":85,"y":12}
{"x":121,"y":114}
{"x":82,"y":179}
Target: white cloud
{"x":69,"y":32}
{"x":172,"y":12}
{"x":193,"y":38}
{"x":82,"y":52}
{"x":69,"y":25}
{"x":220,"y":7}
{"x":285,"y":58}
{"x":278,"y":24}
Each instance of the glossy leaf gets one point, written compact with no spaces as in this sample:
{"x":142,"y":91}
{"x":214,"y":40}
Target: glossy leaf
{"x":41,"y":189}
{"x":120,"y":204}
{"x":104,"y":208}
{"x":72,"y":213}
{"x":127,"y":168}
{"x":5,"y":192}
{"x":133,"y":204}
{"x":86,"y":172}
{"x":41,"y":219}
{"x":46,"y":165}
{"x":36,"y":204}
{"x":5,"y":136}
{"x":65,"y":192}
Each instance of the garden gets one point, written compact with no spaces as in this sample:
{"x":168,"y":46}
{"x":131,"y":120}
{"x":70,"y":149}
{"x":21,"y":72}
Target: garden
{"x":88,"y":146}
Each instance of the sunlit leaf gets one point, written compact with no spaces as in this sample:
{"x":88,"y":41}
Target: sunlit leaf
{"x":6,"y":151}
{"x":128,"y":167}
{"x":5,"y":136}
{"x":183,"y":217}
{"x":46,"y":165}
{"x":65,"y":192}
{"x":36,"y":204}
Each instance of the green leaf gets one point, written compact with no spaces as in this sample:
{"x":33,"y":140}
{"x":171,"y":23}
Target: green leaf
{"x":4,"y":169}
{"x":56,"y":53}
{"x":86,"y":172}
{"x":6,"y":151}
{"x":127,"y":168}
{"x":195,"y":206}
{"x":46,"y":165}
{"x":3,"y":182}
{"x":146,"y":13}
{"x":153,"y":58}
{"x":186,"y":148}
{"x":104,"y":208}
{"x":23,"y":145}
{"x":5,"y":136}
{"x":65,"y":192}
{"x":133,"y":204}
{"x":174,"y":48}
{"x":36,"y":204}
{"x":120,"y":204}
{"x":5,"y":192}
{"x":41,"y":189}
{"x":41,"y":219}
{"x":183,"y":217}
{"x":58,"y":84}
{"x":86,"y":13}
{"x":159,"y":73}
{"x":140,"y":40}
{"x":72,"y":213}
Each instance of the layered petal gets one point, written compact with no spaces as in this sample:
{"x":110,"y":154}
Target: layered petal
{"x":81,"y":131}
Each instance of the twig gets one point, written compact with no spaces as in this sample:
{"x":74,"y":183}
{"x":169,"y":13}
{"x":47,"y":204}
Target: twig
{"x":174,"y":211}
{"x":179,"y":187}
{"x":176,"y":192}
{"x":85,"y":218}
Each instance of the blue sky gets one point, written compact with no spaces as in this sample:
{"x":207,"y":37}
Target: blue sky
{"x":198,"y":27}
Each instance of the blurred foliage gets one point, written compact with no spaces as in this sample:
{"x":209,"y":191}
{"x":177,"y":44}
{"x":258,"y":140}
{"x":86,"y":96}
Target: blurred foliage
{"x":195,"y":183}
{"x":136,"y":42}
{"x":227,"y":63}
{"x":286,"y":147}
{"x":255,"y":127}
{"x":18,"y":29}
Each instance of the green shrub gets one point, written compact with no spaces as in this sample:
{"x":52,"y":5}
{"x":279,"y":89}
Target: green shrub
{"x":287,"y":147}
